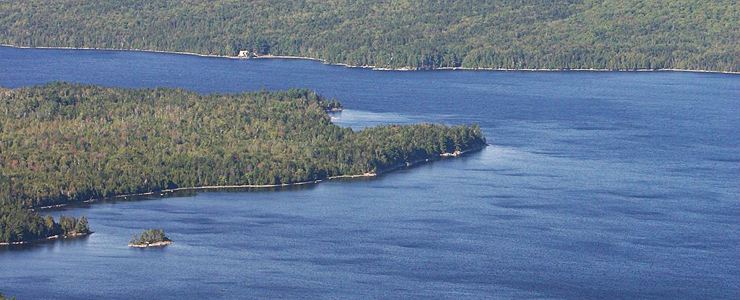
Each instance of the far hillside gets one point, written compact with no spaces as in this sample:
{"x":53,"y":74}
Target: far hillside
{"x":415,"y":34}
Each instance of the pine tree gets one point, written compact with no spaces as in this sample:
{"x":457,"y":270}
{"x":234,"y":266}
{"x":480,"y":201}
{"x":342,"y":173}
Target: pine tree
{"x":82,"y":226}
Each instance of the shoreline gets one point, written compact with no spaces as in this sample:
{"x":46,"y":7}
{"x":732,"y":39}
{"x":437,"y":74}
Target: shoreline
{"x":261,"y":186}
{"x":196,"y":188}
{"x":147,"y":245}
{"x":48,"y":238}
{"x":375,"y":68}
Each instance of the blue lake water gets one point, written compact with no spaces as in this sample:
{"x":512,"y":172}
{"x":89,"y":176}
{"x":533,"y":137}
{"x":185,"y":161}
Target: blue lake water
{"x":596,"y":185}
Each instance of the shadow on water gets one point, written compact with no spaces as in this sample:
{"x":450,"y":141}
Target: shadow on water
{"x":46,"y":244}
{"x":287,"y":188}
{"x":177,"y":194}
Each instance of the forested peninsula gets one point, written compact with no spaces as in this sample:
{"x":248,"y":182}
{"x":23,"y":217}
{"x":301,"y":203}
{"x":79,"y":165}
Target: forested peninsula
{"x":409,"y":34}
{"x":63,"y":143}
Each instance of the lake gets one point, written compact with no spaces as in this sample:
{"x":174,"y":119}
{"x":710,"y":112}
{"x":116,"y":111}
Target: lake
{"x":595,"y":185}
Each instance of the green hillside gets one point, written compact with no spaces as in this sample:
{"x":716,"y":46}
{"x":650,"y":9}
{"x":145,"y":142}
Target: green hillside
{"x":64,"y":143}
{"x":553,"y":34}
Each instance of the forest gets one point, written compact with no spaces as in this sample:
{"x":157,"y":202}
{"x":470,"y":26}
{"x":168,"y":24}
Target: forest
{"x":414,"y":34}
{"x":18,"y":224}
{"x":150,"y":236}
{"x":63,"y":143}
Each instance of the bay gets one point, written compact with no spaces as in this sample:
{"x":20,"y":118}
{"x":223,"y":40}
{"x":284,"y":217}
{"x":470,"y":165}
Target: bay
{"x":595,"y":185}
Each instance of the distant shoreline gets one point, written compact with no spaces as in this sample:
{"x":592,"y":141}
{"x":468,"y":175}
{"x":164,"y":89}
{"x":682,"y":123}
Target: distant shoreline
{"x":48,"y":238}
{"x":375,"y":68}
{"x":260,"y":186}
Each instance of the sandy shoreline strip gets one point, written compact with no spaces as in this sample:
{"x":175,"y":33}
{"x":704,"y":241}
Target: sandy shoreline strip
{"x":53,"y":237}
{"x":259,"y":186}
{"x":209,"y":187}
{"x":269,"y":56}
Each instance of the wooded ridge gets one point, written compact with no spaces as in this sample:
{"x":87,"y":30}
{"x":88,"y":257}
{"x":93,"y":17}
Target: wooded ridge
{"x":64,"y":143}
{"x":413,"y":34}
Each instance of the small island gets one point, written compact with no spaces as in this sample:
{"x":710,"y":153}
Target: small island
{"x":150,"y":238}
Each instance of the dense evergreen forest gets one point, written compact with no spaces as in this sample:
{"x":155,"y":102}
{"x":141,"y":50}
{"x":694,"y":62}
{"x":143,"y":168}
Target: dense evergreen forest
{"x":18,"y":224}
{"x":418,"y":34}
{"x":150,"y":236}
{"x":63,"y":143}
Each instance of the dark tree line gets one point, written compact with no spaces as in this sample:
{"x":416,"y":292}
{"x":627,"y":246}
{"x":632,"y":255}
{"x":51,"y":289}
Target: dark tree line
{"x":62,"y":143}
{"x":150,"y":236}
{"x":418,"y":34}
{"x":20,"y":224}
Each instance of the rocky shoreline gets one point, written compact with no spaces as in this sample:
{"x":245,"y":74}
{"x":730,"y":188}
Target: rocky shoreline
{"x":146,"y":245}
{"x":53,"y":237}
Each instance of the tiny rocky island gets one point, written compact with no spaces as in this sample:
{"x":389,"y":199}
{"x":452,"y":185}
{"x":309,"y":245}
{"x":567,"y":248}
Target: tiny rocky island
{"x":150,"y":238}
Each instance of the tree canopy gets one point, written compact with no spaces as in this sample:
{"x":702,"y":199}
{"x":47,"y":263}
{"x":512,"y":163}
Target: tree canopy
{"x":63,"y":143}
{"x":150,"y":236}
{"x":18,"y":224}
{"x":425,"y":34}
